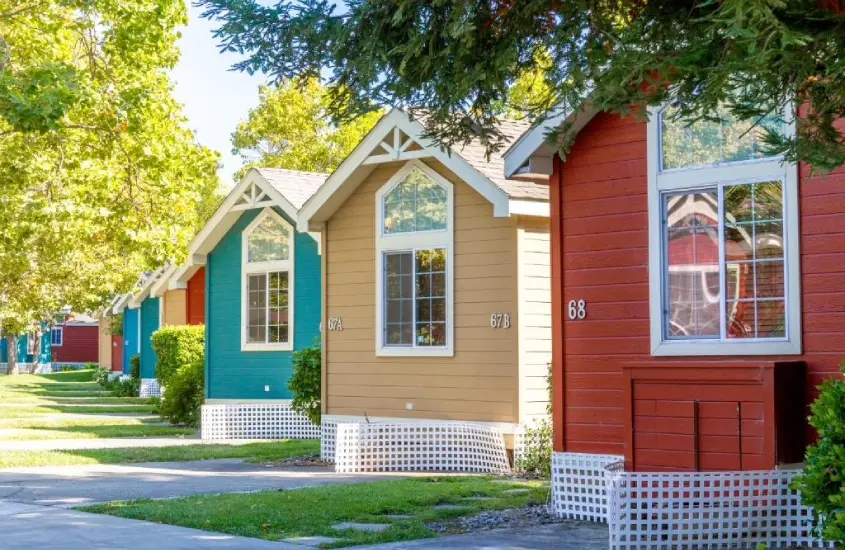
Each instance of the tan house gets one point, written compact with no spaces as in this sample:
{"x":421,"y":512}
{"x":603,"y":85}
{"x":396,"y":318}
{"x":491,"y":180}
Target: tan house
{"x":172,"y":301}
{"x":435,"y":282}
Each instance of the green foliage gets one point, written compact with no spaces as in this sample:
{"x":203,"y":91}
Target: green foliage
{"x":289,"y":129}
{"x":135,"y":367}
{"x":536,"y":456}
{"x":457,"y":60}
{"x":66,"y":368}
{"x":305,"y":382}
{"x":116,"y":325}
{"x":99,"y":173}
{"x":124,"y":387}
{"x":175,"y":346}
{"x":184,"y":395}
{"x":822,"y":481}
{"x":101,"y":376}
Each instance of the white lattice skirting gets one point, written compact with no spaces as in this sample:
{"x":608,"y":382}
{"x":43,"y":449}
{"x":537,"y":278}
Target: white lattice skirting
{"x":149,"y":388}
{"x":663,"y":510}
{"x":419,"y":446}
{"x":256,"y":421}
{"x":328,"y":438}
{"x":69,"y":365}
{"x":29,"y":368}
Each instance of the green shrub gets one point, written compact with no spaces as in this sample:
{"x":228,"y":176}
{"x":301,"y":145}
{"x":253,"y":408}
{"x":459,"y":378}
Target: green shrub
{"x":135,"y":367}
{"x":175,"y":346}
{"x":101,"y":376}
{"x":66,"y":368}
{"x":536,"y":455}
{"x":305,"y":382}
{"x":124,"y":387}
{"x":822,"y":482}
{"x":183,"y":395}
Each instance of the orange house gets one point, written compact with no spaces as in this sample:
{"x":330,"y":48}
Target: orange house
{"x":697,"y":300}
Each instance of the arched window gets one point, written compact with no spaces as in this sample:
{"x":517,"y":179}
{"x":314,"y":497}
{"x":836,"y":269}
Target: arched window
{"x":723,"y":247}
{"x":267,"y":285}
{"x":414,"y":244}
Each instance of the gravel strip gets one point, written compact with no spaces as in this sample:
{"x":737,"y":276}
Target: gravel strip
{"x":510,"y":518}
{"x":307,"y":460}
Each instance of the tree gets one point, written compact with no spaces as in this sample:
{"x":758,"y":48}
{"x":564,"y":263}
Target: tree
{"x":457,"y":59}
{"x":289,"y":129}
{"x":99,"y":176}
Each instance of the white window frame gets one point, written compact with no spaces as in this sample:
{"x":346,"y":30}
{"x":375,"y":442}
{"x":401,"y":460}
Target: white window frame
{"x":61,"y":331}
{"x":253,"y":268}
{"x":411,"y":242}
{"x":696,"y":178}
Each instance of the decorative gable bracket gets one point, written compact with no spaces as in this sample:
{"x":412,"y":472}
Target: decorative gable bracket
{"x":403,"y":148}
{"x":253,"y":196}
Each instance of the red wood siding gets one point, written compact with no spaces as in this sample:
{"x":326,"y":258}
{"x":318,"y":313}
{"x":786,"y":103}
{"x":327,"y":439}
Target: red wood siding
{"x":195,"y":301}
{"x":79,"y":345}
{"x":117,"y":352}
{"x":600,"y":255}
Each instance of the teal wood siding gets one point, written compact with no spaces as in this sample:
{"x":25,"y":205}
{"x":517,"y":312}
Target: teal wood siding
{"x":235,"y":374}
{"x":130,"y":336}
{"x":44,"y":356}
{"x":149,"y":324}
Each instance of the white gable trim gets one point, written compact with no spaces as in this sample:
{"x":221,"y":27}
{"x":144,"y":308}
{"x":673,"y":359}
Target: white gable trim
{"x":321,"y":206}
{"x":146,"y":288}
{"x":162,"y":285}
{"x":121,"y":304}
{"x":533,"y":142}
{"x":253,"y":191}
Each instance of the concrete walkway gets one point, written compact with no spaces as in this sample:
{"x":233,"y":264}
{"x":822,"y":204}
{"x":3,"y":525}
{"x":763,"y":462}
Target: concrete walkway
{"x":570,"y":535}
{"x":114,"y":443}
{"x":49,"y":528}
{"x":68,"y":486}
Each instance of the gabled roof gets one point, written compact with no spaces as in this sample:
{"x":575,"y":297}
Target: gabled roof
{"x":396,"y":137}
{"x":532,"y":144}
{"x":160,"y":286}
{"x":147,"y":286}
{"x":287,"y":190}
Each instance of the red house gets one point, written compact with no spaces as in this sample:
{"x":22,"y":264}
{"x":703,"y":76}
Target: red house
{"x":698,"y":298}
{"x":75,"y":341}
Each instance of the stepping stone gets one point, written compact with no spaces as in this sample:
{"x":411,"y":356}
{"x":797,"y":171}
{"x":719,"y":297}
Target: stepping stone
{"x":311,"y":542}
{"x":397,"y":516}
{"x":517,"y":491}
{"x":449,"y":507}
{"x":369,"y":527}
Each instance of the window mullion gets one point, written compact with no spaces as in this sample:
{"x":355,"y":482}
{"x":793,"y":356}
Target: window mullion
{"x":723,"y":331}
{"x":414,"y":297}
{"x":266,"y":308}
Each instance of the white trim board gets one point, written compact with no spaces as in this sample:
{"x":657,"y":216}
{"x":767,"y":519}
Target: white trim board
{"x":361,"y":161}
{"x":504,"y":427}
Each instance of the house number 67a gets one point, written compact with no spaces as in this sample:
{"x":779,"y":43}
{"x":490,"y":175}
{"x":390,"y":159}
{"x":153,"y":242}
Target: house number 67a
{"x":577,"y":310}
{"x":335,"y":323}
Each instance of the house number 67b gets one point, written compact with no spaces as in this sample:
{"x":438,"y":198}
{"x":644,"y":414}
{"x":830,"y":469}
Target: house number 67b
{"x":577,"y":310}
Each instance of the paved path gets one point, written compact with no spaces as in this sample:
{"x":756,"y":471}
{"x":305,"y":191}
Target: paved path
{"x":570,"y":535}
{"x":48,"y":528}
{"x":114,"y":443}
{"x":79,"y":485}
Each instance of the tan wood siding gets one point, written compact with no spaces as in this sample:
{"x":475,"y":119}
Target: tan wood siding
{"x":535,"y":327}
{"x":104,"y":344}
{"x":174,"y":308}
{"x":480,"y":381}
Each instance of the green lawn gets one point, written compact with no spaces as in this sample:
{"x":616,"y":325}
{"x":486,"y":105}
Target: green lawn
{"x":54,"y":422}
{"x":310,"y":511}
{"x":93,"y":432}
{"x":254,"y":452}
{"x":24,"y":411}
{"x":28,"y":399}
{"x":44,"y":379}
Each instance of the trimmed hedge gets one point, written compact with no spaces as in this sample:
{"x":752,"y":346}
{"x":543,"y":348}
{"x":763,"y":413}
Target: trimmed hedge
{"x":176,"y":346}
{"x":182,"y":399}
{"x":305,"y":382}
{"x":135,"y":367}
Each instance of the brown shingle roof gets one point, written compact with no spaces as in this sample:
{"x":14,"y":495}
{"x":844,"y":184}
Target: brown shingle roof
{"x":296,"y":186}
{"x":494,"y":167}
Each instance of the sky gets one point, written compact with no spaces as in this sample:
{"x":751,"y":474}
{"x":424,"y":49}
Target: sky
{"x":215,"y":98}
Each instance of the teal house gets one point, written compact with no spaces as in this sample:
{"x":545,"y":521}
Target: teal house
{"x":149,"y":320}
{"x":262,"y":302}
{"x":29,"y":358}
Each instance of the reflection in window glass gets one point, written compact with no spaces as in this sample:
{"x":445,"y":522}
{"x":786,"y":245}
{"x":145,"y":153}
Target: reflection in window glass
{"x":268,"y":242}
{"x":692,"y":240}
{"x":711,"y":142}
{"x":267,"y":308}
{"x":431,"y":297}
{"x":752,"y":261}
{"x":415,"y":298}
{"x":399,"y":299}
{"x":417,"y":203}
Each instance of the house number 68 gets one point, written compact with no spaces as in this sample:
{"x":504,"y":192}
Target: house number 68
{"x":577,"y":310}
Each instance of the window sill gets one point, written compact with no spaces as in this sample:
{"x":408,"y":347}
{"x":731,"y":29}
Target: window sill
{"x":414,"y":352}
{"x":721,"y":348}
{"x":267,"y":347}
